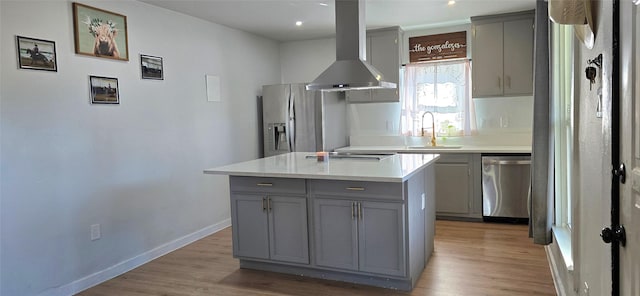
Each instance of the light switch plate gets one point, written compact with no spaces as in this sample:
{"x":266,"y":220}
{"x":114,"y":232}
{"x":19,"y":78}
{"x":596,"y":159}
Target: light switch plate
{"x":635,"y":185}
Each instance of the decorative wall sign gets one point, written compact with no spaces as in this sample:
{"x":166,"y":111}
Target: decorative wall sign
{"x":104,"y":90}
{"x":100,"y":33}
{"x":438,"y":47}
{"x":36,"y":54}
{"x":151,"y":67}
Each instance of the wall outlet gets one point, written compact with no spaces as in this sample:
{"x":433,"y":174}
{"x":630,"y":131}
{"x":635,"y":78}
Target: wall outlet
{"x":95,"y":232}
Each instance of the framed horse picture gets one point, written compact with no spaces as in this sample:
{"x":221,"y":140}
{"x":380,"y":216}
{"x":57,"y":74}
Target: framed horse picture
{"x":36,"y":54}
{"x":100,"y":33}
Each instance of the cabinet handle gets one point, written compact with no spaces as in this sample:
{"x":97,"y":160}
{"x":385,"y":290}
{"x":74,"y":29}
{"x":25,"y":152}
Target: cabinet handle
{"x":353,"y":211}
{"x":360,"y":211}
{"x":264,"y":207}
{"x":265,"y":184}
{"x":355,"y":188}
{"x":268,"y":204}
{"x":509,"y":82}
{"x":499,"y":82}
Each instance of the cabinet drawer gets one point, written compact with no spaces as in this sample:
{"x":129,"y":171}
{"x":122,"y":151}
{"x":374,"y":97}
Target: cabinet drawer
{"x":454,"y":158}
{"x":358,"y":189}
{"x":267,"y":185}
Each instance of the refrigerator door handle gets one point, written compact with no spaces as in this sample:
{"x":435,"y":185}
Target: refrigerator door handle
{"x":291,"y":123}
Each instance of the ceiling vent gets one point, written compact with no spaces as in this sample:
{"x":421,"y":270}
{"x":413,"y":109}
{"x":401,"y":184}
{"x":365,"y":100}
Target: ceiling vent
{"x":350,"y":71}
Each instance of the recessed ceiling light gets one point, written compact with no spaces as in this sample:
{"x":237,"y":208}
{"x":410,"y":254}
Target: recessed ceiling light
{"x":451,"y":2}
{"x":299,"y":23}
{"x":323,"y":4}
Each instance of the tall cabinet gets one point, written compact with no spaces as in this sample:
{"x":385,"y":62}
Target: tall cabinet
{"x":384,"y":51}
{"x":502,"y":54}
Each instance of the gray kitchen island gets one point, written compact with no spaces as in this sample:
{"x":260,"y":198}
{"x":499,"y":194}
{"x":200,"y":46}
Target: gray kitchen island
{"x":353,"y":218}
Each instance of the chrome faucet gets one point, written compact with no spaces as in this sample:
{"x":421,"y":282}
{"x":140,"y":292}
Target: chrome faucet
{"x":433,"y":127}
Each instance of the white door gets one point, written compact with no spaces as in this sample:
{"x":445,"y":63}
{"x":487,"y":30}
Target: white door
{"x":630,"y":137}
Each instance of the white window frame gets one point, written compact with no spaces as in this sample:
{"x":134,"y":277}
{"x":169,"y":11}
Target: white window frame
{"x":563,"y":126}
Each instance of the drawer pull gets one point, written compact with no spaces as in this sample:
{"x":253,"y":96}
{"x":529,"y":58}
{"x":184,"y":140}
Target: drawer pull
{"x":355,"y":188}
{"x":265,"y":184}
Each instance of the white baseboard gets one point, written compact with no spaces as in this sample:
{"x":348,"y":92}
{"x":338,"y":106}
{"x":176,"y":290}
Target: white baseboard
{"x":127,"y":265}
{"x":558,"y":282}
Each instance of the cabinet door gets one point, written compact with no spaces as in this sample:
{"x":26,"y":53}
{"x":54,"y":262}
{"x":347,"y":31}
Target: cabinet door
{"x":487,"y":70}
{"x":452,"y":188}
{"x":385,"y":56}
{"x":249,"y":226}
{"x":336,"y":235}
{"x":288,"y":229}
{"x":518,"y":57}
{"x":383,"y":53}
{"x":381,"y":238}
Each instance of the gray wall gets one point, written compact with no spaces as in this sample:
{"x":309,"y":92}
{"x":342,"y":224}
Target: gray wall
{"x":135,"y":168}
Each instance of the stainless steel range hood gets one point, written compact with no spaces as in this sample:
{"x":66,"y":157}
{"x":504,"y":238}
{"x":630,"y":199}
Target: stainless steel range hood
{"x":350,"y":71}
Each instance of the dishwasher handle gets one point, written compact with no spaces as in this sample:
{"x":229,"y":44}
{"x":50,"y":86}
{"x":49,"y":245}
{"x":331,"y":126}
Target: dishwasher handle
{"x":507,"y":162}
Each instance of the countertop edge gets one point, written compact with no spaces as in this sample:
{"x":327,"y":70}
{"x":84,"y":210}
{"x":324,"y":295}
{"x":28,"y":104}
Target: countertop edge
{"x":223,"y":171}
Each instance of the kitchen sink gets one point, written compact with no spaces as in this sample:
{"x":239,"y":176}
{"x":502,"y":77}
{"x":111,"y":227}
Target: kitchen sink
{"x":435,"y":147}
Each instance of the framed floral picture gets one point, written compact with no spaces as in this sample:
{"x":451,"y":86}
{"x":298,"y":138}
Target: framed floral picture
{"x":104,"y":90}
{"x":36,"y":54}
{"x":100,"y":33}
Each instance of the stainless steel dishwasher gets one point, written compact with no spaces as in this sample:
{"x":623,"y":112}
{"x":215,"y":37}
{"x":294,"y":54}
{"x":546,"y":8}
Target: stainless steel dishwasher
{"x":506,"y":181}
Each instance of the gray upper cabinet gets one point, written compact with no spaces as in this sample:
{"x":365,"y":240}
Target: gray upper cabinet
{"x":269,"y":218}
{"x":384,"y":49}
{"x":503,"y":55}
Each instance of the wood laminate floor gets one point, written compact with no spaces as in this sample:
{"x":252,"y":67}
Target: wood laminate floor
{"x":469,"y":259}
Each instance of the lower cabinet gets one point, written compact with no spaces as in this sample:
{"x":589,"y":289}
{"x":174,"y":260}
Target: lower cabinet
{"x":363,"y":232}
{"x":354,"y":235}
{"x":270,"y":227}
{"x":458,"y":186}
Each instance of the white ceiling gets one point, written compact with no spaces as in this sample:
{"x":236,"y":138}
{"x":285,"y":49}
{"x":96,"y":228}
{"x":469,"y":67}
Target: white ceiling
{"x":275,"y":19}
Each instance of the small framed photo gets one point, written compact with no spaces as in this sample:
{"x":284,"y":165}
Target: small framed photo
{"x":100,"y":33}
{"x":104,"y":90}
{"x":151,"y":67}
{"x":36,"y":54}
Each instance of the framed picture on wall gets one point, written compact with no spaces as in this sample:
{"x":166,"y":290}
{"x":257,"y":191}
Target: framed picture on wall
{"x":100,"y":33}
{"x":151,"y":67}
{"x":104,"y":90}
{"x":36,"y":54}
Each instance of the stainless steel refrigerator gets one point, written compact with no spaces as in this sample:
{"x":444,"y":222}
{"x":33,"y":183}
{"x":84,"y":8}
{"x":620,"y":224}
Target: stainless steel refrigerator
{"x":295,"y":119}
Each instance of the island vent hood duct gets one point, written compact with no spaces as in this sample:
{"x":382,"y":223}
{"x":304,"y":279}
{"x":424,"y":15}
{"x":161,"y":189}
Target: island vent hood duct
{"x":349,"y":71}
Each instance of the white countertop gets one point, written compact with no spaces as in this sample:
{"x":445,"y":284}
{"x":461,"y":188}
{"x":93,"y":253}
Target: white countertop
{"x":458,"y":149}
{"x":391,"y":168}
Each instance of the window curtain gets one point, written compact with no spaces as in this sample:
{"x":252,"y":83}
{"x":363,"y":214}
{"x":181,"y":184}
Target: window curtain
{"x":420,"y":73}
{"x":542,"y":173}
